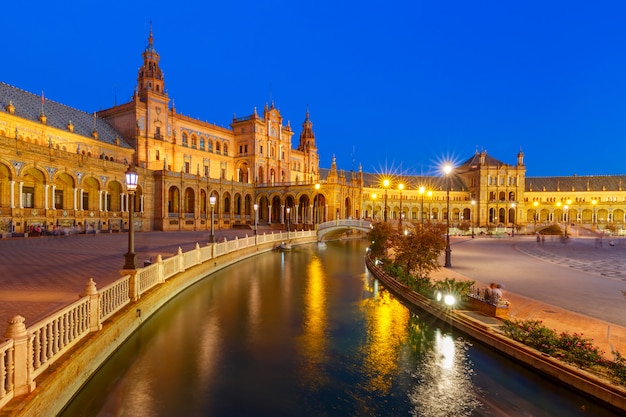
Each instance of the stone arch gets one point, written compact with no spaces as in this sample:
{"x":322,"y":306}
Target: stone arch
{"x":189,"y":201}
{"x":173,"y":199}
{"x":88,"y":198}
{"x":33,"y":181}
{"x":243,"y":175}
{"x":261,"y":175}
{"x":113,"y":197}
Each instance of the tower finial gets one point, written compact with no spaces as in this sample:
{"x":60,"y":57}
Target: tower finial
{"x":150,"y":38}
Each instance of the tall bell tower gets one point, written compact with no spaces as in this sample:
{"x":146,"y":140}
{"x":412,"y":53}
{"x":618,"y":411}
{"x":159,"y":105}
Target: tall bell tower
{"x":150,"y":77}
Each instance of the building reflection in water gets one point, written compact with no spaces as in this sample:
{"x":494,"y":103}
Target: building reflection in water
{"x":386,"y":335}
{"x":313,"y":343}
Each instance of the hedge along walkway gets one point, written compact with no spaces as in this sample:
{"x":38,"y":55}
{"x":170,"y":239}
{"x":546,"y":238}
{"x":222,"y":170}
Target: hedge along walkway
{"x":606,"y":336}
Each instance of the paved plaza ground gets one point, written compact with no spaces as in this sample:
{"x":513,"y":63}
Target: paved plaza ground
{"x":574,"y":286}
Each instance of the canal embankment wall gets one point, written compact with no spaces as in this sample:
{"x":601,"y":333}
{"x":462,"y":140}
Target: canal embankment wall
{"x":578,"y":379}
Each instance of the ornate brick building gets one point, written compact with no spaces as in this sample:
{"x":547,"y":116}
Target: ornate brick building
{"x":62,"y":168}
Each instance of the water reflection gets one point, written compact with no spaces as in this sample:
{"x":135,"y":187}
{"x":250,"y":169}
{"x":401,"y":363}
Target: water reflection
{"x":304,"y":333}
{"x":313,"y":344}
{"x":385,"y":336}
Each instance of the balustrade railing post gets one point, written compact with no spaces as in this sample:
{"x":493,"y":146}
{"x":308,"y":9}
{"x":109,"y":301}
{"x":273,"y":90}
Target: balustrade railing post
{"x":94,"y":305}
{"x":160,"y":269}
{"x":181,"y":260}
{"x":22,"y":380}
{"x":133,"y":284}
{"x":198,"y":254}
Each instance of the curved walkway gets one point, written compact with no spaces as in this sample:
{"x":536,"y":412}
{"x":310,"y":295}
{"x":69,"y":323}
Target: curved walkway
{"x":575,"y":286}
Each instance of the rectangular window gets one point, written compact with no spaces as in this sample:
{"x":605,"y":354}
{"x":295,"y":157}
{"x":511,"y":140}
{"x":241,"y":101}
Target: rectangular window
{"x":187,"y":167}
{"x":85,"y":201}
{"x":206,"y":170}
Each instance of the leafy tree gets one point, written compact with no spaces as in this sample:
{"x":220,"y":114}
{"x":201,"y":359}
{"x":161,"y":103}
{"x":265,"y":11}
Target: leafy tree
{"x":418,"y":251}
{"x":380,"y":237}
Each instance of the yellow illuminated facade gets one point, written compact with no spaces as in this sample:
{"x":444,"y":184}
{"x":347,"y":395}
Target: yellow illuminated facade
{"x":62,"y":169}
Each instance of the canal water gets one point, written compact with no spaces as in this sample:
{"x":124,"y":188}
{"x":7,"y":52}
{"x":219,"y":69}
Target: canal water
{"x":311,"y":333}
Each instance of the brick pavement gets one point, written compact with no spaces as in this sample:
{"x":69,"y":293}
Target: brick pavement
{"x":39,"y":275}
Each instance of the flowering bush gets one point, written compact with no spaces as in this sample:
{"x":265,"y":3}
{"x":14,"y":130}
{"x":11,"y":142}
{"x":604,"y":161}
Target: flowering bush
{"x":617,"y":368}
{"x":532,"y":333}
{"x":574,"y":348}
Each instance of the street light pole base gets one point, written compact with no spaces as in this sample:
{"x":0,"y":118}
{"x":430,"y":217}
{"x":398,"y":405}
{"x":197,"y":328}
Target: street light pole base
{"x":448,"y":263}
{"x":130,"y":261}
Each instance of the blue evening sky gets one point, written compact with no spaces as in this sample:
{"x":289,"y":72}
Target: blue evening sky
{"x":396,"y":85}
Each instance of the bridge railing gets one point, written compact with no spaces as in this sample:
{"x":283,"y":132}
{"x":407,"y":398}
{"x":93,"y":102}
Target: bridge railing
{"x":27,"y":352}
{"x":363,"y":224}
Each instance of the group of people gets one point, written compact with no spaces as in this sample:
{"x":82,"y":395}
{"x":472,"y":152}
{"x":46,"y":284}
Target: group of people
{"x":494,"y":293}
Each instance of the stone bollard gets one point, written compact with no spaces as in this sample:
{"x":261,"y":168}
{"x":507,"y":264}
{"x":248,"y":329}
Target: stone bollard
{"x":22,"y":381}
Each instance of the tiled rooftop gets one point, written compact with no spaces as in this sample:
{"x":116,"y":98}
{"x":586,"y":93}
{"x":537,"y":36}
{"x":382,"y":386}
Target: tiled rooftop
{"x":28,"y":106}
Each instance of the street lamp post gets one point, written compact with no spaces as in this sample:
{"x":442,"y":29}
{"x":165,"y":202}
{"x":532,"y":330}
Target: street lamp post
{"x":256,"y":217}
{"x":536,"y":215}
{"x":288,"y":211}
{"x":513,"y":227}
{"x":400,"y":187}
{"x":422,"y":190}
{"x":212,"y":202}
{"x":374,"y":196}
{"x":593,"y":221}
{"x":473,"y":220}
{"x":447,"y":169}
{"x":566,"y":217}
{"x":131,"y":185}
{"x":386,"y":185}
{"x":430,"y":200}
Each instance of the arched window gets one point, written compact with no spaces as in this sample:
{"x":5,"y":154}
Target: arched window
{"x":184,"y":139}
{"x":210,"y":146}
{"x":217,"y":147}
{"x":225,"y":149}
{"x":194,"y":141}
{"x":201,"y":143}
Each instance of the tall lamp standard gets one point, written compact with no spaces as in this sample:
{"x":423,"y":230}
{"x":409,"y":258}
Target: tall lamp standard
{"x":536,"y":205}
{"x":400,"y":187}
{"x":131,"y":185}
{"x":430,"y":200}
{"x":212,"y":202}
{"x":593,"y":221}
{"x":288,"y":211}
{"x":473,"y":220}
{"x":256,"y":217}
{"x":386,"y":185}
{"x":422,"y":190}
{"x":447,"y":169}
{"x":513,"y":227}
{"x":566,"y":216}
{"x":374,"y":196}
